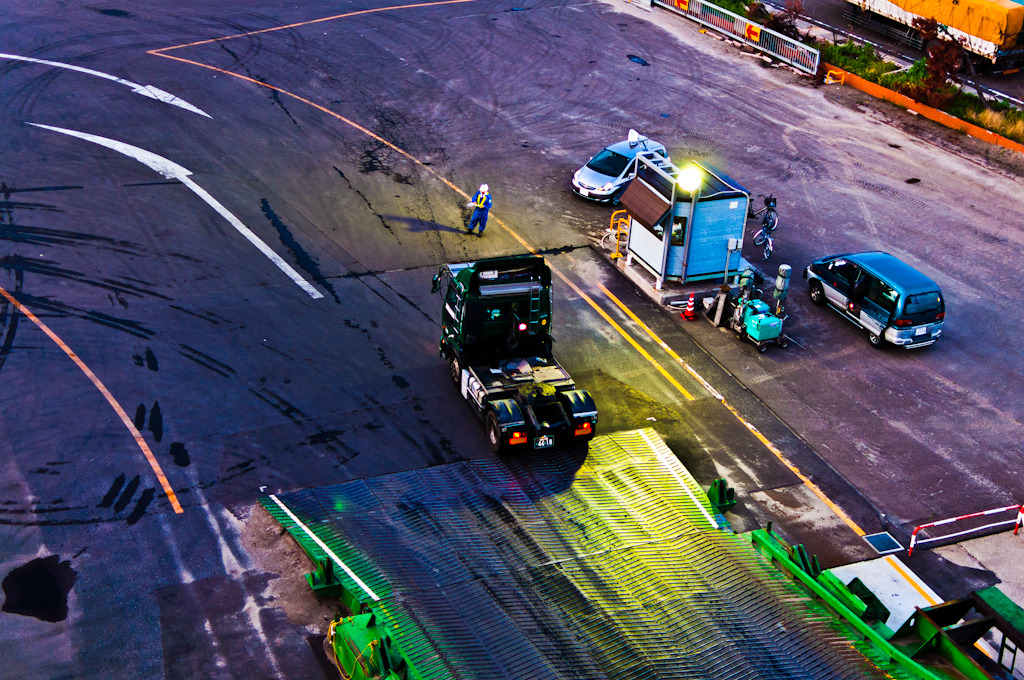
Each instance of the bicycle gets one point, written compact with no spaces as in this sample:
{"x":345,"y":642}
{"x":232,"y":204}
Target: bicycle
{"x":771,"y":217}
{"x":763,"y":237}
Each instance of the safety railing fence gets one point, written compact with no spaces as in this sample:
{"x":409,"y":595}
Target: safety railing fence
{"x":1016,"y":522}
{"x":781,"y":47}
{"x":617,"y":228}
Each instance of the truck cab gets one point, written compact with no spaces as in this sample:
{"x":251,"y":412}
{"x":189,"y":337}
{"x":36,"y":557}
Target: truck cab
{"x":496,"y":338}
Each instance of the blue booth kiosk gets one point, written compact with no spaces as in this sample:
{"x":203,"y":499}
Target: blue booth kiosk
{"x":685,"y":224}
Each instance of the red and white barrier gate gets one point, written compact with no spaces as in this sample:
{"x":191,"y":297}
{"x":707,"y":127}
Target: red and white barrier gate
{"x":1016,"y":522}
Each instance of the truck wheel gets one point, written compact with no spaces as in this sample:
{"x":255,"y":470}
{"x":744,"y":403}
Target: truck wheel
{"x":817,"y":293}
{"x":494,"y":438}
{"x":455,"y":371}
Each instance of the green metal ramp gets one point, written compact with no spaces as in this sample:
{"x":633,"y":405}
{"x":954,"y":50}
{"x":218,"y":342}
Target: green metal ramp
{"x":553,"y":567}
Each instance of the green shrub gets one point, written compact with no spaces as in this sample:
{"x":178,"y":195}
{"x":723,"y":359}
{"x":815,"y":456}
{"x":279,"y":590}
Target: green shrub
{"x":857,"y":59}
{"x":999,"y":117}
{"x":735,"y":6}
{"x":897,"y":80}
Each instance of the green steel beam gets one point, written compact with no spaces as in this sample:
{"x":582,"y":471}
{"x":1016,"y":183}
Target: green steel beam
{"x":774,"y":548}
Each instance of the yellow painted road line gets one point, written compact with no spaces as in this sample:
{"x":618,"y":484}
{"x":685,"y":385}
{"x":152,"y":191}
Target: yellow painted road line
{"x":753,"y":430}
{"x":629,"y":338}
{"x":171,"y":496}
{"x":661,"y":343}
{"x":898,"y":566}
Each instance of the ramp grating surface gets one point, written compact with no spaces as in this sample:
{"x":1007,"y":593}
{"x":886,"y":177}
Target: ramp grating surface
{"x":547,"y":567}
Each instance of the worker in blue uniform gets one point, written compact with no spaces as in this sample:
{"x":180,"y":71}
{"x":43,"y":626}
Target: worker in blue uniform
{"x":481,"y":205}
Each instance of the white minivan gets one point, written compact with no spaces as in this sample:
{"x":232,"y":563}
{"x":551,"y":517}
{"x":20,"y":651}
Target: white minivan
{"x":887,"y":297}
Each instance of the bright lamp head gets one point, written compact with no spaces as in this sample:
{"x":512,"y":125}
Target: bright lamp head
{"x":690,"y":178}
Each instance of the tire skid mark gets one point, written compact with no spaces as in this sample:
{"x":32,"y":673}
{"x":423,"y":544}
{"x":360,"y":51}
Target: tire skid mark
{"x":206,"y":361}
{"x":592,"y":303}
{"x":49,"y":268}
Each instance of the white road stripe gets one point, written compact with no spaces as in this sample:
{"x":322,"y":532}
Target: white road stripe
{"x":172,"y":170}
{"x":323,"y":546}
{"x":145,"y":90}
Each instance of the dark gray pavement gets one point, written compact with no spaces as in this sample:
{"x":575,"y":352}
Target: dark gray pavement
{"x":240,"y":383}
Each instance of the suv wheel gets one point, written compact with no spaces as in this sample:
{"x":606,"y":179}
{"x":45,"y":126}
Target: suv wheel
{"x":876,"y":340}
{"x":817,"y":293}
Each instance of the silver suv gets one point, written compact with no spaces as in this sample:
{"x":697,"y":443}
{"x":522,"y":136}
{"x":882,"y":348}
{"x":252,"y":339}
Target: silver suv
{"x":605,"y":176}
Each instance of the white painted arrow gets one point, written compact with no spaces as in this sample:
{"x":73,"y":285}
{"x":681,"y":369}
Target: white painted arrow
{"x":172,"y":170}
{"x":145,"y":90}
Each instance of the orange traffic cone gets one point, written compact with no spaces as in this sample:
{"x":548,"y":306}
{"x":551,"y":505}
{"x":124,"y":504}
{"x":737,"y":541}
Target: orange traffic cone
{"x":689,"y":314}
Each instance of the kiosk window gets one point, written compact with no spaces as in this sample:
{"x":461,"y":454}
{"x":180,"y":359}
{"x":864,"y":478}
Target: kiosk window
{"x":679,"y":231}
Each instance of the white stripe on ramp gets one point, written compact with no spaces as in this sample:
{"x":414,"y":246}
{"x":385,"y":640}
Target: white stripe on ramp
{"x":172,"y":170}
{"x":323,"y":546}
{"x":145,"y":90}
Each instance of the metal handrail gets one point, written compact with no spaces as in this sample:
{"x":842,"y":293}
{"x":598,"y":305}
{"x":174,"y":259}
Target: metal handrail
{"x":619,"y":223}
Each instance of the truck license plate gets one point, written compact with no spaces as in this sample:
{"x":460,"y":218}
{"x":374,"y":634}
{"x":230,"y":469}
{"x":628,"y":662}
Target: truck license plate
{"x":921,"y":331}
{"x":543,"y":442}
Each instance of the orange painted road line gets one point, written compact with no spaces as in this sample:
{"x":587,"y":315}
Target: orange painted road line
{"x":171,"y":496}
{"x":307,"y":23}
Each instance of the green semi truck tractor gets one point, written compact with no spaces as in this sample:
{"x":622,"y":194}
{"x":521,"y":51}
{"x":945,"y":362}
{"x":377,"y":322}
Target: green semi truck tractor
{"x":496,"y":338}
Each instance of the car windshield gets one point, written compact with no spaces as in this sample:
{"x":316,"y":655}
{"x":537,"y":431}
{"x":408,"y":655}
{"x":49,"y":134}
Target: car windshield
{"x":924,"y":303}
{"x":608,"y":163}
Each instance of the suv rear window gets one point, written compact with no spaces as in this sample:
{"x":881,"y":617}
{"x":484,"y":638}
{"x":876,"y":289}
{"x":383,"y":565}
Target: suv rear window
{"x":923,"y":304}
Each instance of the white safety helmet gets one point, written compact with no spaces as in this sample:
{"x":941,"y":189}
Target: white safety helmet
{"x":483,"y":188}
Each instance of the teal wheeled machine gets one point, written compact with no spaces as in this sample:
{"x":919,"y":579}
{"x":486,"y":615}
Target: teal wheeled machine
{"x":740,"y":309}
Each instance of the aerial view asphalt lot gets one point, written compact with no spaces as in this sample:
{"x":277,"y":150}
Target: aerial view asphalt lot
{"x":222,"y":290}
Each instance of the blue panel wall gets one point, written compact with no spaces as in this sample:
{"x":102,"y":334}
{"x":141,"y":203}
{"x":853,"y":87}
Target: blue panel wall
{"x":714,"y":223}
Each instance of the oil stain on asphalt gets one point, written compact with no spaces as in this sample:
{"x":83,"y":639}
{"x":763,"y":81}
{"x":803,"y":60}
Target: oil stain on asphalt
{"x":39,"y":589}
{"x":302,"y":258}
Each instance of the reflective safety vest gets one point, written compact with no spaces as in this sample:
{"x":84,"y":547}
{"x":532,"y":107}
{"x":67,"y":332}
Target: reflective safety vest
{"x":481,"y":199}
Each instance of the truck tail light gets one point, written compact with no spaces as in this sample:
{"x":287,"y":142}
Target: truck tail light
{"x":584,"y":429}
{"x":517,"y":438}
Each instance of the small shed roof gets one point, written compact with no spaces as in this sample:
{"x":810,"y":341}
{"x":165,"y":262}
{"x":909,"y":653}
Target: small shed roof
{"x":717,"y":184}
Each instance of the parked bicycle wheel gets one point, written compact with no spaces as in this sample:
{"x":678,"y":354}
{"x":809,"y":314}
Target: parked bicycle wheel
{"x":760,"y":237}
{"x":771,"y":219}
{"x":768,"y":248}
